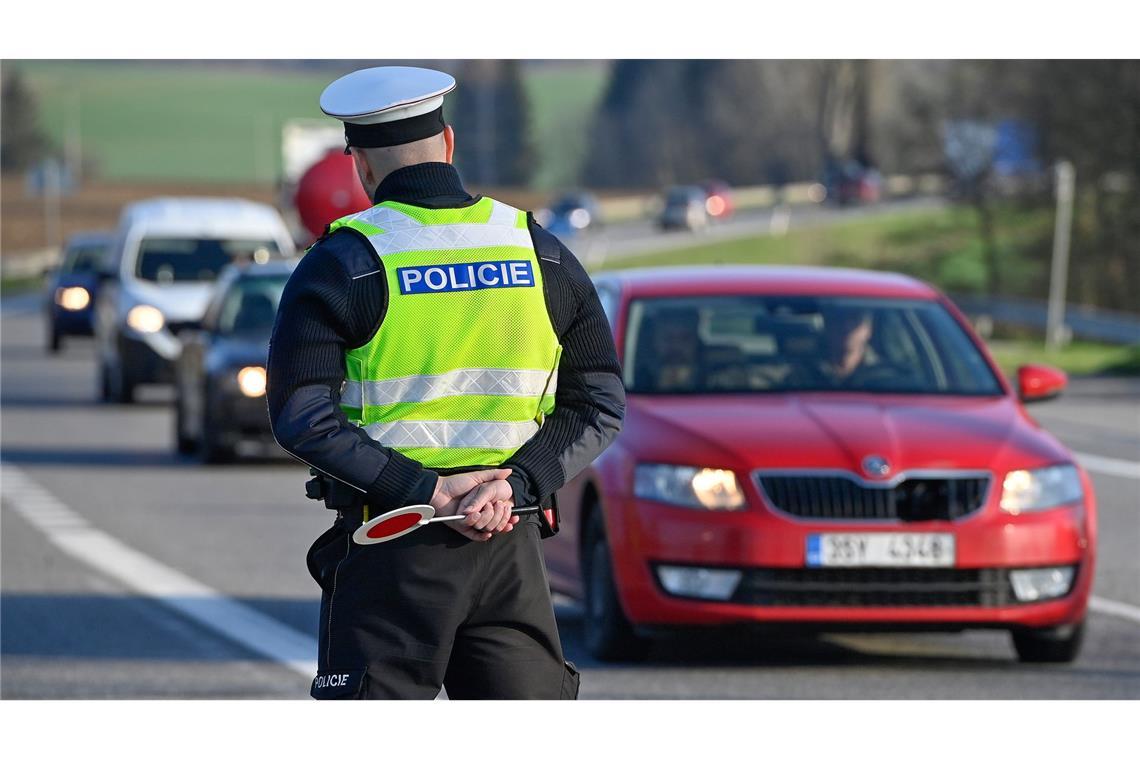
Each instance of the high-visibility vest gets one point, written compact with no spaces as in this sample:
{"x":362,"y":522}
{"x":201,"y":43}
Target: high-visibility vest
{"x":464,"y":365}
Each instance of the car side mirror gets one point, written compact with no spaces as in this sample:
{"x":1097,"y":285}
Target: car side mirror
{"x":1039,"y":382}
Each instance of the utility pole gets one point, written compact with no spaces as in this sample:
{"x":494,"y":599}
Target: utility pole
{"x":73,"y":148}
{"x":485,"y":118}
{"x":1055,"y":333}
{"x":52,"y":190}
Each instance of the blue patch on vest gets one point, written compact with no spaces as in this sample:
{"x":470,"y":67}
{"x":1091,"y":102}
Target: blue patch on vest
{"x":451,"y":278}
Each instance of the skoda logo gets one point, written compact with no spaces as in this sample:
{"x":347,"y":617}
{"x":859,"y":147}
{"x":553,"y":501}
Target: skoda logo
{"x":876,"y":466}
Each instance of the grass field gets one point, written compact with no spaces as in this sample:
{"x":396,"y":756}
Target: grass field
{"x":562,"y":98}
{"x":1077,"y":358}
{"x":208,"y":122}
{"x":941,"y":247}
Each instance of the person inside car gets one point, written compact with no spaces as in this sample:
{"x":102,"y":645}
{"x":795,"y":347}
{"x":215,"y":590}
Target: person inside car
{"x":847,"y":334}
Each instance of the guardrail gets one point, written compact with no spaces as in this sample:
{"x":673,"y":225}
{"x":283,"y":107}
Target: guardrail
{"x":1081,"y":321}
{"x":633,"y":207}
{"x":31,"y":264}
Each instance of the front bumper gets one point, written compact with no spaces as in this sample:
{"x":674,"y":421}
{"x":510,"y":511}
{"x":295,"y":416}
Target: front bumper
{"x":69,"y":322}
{"x":777,"y":587}
{"x":142,"y":363}
{"x":242,"y":419}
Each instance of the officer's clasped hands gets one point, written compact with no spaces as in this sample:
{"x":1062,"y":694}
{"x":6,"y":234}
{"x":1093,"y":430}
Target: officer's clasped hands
{"x":484,"y":494}
{"x":489,"y":507}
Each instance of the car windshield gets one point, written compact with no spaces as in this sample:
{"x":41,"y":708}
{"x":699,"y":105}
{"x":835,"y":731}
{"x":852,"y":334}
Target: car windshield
{"x":166,"y":260}
{"x":745,"y":344}
{"x":85,"y":257}
{"x":680,"y":196}
{"x":251,"y":305}
{"x":568,"y":203}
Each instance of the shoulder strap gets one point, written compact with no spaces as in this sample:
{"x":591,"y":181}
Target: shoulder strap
{"x":546,"y":246}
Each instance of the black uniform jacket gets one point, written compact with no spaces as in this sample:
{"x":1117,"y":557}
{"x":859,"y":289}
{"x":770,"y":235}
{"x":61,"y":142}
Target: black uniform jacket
{"x":331,"y":304}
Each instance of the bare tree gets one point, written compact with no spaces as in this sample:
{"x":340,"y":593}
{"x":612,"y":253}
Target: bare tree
{"x":22,"y":142}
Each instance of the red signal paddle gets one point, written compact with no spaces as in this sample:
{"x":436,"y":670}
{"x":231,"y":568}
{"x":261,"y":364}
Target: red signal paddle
{"x":404,"y":520}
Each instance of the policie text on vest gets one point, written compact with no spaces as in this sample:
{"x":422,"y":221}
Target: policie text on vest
{"x":448,"y":278}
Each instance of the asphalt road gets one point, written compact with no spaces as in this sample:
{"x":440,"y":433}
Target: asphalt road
{"x":130,"y":572}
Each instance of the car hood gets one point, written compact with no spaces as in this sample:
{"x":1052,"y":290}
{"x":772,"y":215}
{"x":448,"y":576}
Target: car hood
{"x":238,"y":351}
{"x":88,"y":280}
{"x":178,"y":302}
{"x":837,"y":431}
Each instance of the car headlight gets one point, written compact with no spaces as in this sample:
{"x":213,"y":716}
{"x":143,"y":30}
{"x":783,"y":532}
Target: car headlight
{"x":1029,"y":490}
{"x":251,"y":381}
{"x":72,"y":299}
{"x":697,"y":487}
{"x":145,"y":319}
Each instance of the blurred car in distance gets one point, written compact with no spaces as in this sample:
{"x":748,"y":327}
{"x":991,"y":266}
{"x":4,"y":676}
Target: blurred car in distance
{"x":823,"y":448}
{"x":718,"y":199}
{"x":166,"y":255}
{"x":571,"y":214}
{"x":73,"y":286}
{"x":850,"y":182}
{"x":684,"y":208}
{"x":220,"y":374}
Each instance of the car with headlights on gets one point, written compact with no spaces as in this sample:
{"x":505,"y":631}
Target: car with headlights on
{"x":166,"y":255}
{"x":821,"y":448}
{"x":571,"y":214}
{"x":220,"y":409}
{"x":73,"y":286}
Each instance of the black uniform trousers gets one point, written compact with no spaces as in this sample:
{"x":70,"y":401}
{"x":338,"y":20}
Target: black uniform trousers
{"x":432,"y":608}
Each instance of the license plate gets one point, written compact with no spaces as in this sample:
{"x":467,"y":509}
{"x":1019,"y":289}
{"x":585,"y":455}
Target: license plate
{"x":880,"y":550}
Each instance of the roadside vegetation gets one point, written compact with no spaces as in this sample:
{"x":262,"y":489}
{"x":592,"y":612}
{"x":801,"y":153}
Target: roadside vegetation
{"x":11,"y":286}
{"x":939,"y":246}
{"x":1077,"y":358}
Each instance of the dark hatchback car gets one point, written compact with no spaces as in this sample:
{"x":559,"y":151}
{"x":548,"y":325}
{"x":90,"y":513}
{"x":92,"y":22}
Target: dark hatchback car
{"x":220,"y":408}
{"x":684,"y":208}
{"x":73,"y":286}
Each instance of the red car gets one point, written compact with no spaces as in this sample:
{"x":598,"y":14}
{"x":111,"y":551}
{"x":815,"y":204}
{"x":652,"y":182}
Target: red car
{"x":824,"y":448}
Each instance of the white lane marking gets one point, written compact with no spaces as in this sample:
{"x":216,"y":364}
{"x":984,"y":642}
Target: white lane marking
{"x":74,"y":536}
{"x":1107,"y":466}
{"x":1116,"y":609}
{"x":277,"y":642}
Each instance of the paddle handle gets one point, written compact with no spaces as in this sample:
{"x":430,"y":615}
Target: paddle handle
{"x":520,"y":511}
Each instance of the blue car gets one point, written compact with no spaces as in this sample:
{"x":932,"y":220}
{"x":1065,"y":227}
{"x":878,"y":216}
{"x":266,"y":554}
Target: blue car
{"x":73,"y":286}
{"x":571,"y":214}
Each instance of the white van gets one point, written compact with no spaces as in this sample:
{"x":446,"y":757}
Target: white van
{"x":165,"y":256}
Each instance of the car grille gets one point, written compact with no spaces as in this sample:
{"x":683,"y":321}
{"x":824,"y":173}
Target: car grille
{"x":177,"y":327}
{"x":875,"y":587}
{"x":838,"y":497}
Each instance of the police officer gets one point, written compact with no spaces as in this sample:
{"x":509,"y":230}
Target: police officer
{"x":437,"y":348}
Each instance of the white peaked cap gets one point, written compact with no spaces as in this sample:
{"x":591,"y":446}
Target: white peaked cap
{"x":385,"y":94}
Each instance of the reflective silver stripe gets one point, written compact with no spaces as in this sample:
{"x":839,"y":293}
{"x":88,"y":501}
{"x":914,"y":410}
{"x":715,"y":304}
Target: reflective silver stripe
{"x":452,"y":434}
{"x":350,"y":394}
{"x":471,"y":382}
{"x":449,"y":236}
{"x":387,"y":219}
{"x":503,"y":215}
